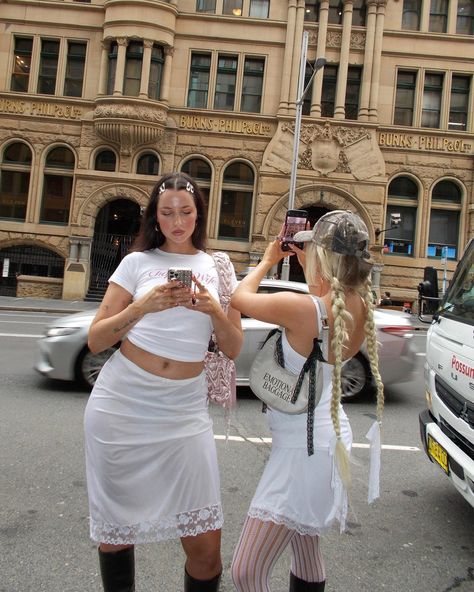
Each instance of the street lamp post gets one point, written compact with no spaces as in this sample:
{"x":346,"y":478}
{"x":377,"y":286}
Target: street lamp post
{"x":301,"y":94}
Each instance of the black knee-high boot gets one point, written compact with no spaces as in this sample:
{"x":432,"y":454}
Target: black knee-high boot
{"x":118,"y":570}
{"x":298,"y":585}
{"x":193,"y":585}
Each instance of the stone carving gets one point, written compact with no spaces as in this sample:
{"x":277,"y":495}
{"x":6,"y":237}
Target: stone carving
{"x":357,"y":40}
{"x":334,"y":39}
{"x":136,"y":112}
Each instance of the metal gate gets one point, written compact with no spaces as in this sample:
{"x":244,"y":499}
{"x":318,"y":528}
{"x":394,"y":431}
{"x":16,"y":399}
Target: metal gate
{"x":106,"y":253}
{"x":27,"y":260}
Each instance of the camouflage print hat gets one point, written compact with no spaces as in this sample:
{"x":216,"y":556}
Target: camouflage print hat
{"x":340,"y":231}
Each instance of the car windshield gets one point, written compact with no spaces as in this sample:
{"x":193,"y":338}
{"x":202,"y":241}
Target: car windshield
{"x":459,"y":299}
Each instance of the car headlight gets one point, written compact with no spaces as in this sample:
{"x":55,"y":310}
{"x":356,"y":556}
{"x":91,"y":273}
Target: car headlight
{"x":60,"y":331}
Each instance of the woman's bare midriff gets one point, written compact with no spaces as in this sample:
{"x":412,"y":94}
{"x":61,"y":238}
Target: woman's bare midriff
{"x":159,"y":365}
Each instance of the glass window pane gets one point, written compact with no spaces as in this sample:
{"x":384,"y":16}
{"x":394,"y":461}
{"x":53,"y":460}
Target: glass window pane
{"x":352,"y":92}
{"x":76,"y":59}
{"x":239,"y":172}
{"x":224,"y":97}
{"x":48,"y":66}
{"x":198,"y":169}
{"x":438,"y":16}
{"x":411,"y":15}
{"x":336,"y":11}
{"x":234,"y":220}
{"x":459,"y":106}
{"x":252,"y":85}
{"x":311,"y":11}
{"x":133,"y":69}
{"x":112,"y":67}
{"x":400,"y":240}
{"x":206,"y":6}
{"x":444,"y":231}
{"x":147,"y":164}
{"x":18,"y":153}
{"x":403,"y":188}
{"x":56,"y":199}
{"x":446,"y":191}
{"x":233,"y":7}
{"x":259,"y":8}
{"x":359,"y":13}
{"x":14,"y":187}
{"x":465,"y":17}
{"x":60,"y":158}
{"x":432,"y":93}
{"x":105,"y":161}
{"x":156,"y":72}
{"x":328,"y":96}
{"x":405,"y":98}
{"x":199,"y":80}
{"x":21,"y":64}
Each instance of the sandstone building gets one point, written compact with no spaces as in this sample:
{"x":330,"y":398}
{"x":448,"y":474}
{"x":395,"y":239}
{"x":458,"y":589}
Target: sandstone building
{"x":99,"y":97}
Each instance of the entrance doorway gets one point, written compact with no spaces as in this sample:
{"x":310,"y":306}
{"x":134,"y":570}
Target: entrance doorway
{"x":296,"y":271}
{"x":115,"y":228}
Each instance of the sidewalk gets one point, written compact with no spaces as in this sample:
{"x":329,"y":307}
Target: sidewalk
{"x":45,"y":305}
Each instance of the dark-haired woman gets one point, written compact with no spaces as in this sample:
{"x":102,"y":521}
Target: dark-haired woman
{"x":150,"y":455}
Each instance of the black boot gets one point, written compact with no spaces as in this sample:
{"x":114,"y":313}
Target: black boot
{"x":298,"y":585}
{"x":118,"y":570}
{"x":193,"y":585}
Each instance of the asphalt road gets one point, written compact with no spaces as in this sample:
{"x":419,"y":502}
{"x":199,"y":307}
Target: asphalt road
{"x":417,"y":537}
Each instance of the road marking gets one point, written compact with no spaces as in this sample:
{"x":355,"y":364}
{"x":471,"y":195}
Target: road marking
{"x":258,"y":440}
{"x":23,"y":322}
{"x":21,"y":335}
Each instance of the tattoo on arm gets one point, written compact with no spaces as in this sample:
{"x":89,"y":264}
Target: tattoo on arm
{"x":124,"y":326}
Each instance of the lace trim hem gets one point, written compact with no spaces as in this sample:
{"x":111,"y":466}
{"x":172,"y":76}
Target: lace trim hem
{"x":184,"y":524}
{"x":267,"y":516}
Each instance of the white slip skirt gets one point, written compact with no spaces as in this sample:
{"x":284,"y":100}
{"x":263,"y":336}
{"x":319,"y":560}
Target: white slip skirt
{"x":151,"y":459}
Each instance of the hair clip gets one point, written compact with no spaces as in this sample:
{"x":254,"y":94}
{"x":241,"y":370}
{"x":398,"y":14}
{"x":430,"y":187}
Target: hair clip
{"x":189,"y":188}
{"x":161,"y":189}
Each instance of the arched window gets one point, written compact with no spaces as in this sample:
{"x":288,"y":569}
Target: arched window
{"x":403,"y":200}
{"x":156,"y":72}
{"x":201,"y":172}
{"x":446,"y":203}
{"x":105,"y":160}
{"x":236,"y":202}
{"x":15,"y":167}
{"x":148,"y":164}
{"x":57,"y":186}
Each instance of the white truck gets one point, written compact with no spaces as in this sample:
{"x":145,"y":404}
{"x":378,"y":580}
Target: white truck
{"x":447,"y":426}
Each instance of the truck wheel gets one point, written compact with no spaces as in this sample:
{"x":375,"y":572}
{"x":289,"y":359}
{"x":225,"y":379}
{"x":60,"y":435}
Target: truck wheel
{"x":89,"y":365}
{"x":356,"y":378}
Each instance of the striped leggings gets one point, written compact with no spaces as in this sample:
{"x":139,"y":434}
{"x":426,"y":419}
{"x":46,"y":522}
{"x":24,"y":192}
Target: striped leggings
{"x":262,"y":543}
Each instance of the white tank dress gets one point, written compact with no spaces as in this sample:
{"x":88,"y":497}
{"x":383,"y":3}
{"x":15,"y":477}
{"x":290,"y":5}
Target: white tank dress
{"x":303,"y":492}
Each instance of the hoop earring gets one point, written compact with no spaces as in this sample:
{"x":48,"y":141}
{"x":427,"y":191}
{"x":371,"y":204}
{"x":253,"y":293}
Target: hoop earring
{"x":157,"y":228}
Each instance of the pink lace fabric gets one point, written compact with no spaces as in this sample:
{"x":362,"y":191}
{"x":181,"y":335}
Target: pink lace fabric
{"x":184,"y":524}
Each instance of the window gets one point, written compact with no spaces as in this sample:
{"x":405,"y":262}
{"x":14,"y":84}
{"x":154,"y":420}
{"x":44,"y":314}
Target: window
{"x":465,"y":18}
{"x":405,"y":98}
{"x":252,"y":85}
{"x":403,"y":200}
{"x":57,"y":186}
{"x":308,"y":97}
{"x":236,"y":202}
{"x":224,"y":97}
{"x":432,"y":94}
{"x":359,"y":12}
{"x":15,"y":181}
{"x":199,"y":80}
{"x":311,"y":11}
{"x":48,"y":67}
{"x":105,"y":160}
{"x":156,"y":72}
{"x":458,"y":108}
{"x":206,"y":6}
{"x":352,"y":92}
{"x":112,"y":67}
{"x":201,"y":172}
{"x":22,"y":64}
{"x":444,"y":220}
{"x":336,"y":11}
{"x":232,"y":7}
{"x":148,"y":164}
{"x":328,"y":95}
{"x":438,"y":16}
{"x":133,"y":69}
{"x":76,"y":59}
{"x":259,"y":8}
{"x":411,"y":15}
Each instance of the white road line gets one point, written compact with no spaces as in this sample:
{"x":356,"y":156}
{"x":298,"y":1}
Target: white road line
{"x":24,"y":322}
{"x":354,"y":445}
{"x":21,"y":335}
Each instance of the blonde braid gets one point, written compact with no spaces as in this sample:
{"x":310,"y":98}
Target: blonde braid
{"x":339,"y":338}
{"x":372,"y":349}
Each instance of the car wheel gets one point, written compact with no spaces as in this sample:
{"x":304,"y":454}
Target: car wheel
{"x":89,"y":365}
{"x":356,"y":378}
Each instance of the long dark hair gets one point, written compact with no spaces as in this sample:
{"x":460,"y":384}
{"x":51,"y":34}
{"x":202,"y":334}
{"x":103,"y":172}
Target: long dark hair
{"x":150,"y":236}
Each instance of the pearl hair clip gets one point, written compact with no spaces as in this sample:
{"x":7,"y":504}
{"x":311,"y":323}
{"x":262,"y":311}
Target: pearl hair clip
{"x":161,"y":189}
{"x":189,"y":188}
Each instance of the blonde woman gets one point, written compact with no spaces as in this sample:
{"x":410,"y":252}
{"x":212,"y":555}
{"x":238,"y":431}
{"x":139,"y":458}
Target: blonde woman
{"x":300,"y":496}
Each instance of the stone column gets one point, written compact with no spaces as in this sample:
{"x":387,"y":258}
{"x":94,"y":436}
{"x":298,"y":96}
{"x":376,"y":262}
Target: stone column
{"x":104,"y":62}
{"x":166,"y":80}
{"x":77,"y":268}
{"x":368,"y":60}
{"x":425,"y":15}
{"x":122,"y":43}
{"x":374,"y":86}
{"x":295,"y":66}
{"x":146,"y":62}
{"x":320,"y":52}
{"x":452,"y":18}
{"x":339,"y":109}
{"x":286,"y":70}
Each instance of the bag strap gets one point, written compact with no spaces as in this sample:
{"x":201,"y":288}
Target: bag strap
{"x":224,"y":273}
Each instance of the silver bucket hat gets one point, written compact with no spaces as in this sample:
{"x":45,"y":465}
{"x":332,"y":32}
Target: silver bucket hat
{"x":340,"y":231}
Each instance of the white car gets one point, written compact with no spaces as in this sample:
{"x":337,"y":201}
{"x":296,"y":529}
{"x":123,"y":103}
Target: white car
{"x":64,"y":355}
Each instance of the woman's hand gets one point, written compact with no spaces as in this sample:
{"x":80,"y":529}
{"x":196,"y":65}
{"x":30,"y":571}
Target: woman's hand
{"x":163,"y":297}
{"x":202,"y":300}
{"x":299,"y":253}
{"x":274,"y":253}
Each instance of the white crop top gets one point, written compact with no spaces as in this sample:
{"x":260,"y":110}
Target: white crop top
{"x":177,"y":333}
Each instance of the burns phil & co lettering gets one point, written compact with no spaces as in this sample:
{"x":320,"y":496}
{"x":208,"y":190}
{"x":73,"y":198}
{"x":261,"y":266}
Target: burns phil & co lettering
{"x":39,"y":108}
{"x":235,"y":126}
{"x":395,"y":140}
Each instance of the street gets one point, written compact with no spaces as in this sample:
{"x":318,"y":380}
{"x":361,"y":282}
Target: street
{"x":417,"y":537}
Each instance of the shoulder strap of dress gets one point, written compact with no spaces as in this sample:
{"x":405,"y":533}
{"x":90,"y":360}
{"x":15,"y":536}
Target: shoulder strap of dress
{"x":323,"y":324}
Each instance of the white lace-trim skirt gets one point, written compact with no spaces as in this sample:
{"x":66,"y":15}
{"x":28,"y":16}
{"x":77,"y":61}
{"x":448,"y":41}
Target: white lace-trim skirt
{"x":151,"y":460}
{"x":303,"y":493}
